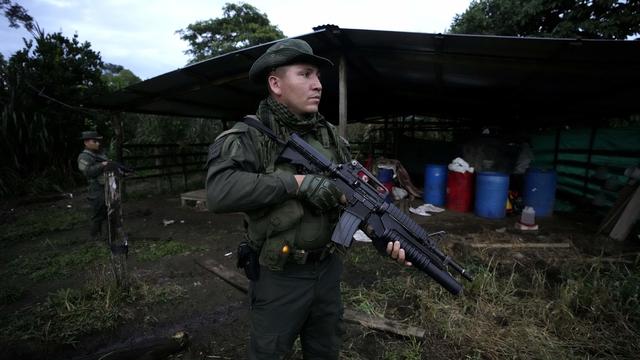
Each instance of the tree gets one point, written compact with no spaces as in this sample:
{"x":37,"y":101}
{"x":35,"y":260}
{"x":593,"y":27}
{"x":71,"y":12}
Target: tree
{"x":590,"y":19}
{"x":16,"y":14}
{"x":116,"y":77}
{"x":45,"y":86}
{"x":241,"y":25}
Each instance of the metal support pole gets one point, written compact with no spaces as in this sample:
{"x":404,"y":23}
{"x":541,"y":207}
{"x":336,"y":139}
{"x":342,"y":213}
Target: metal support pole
{"x":342,"y":87}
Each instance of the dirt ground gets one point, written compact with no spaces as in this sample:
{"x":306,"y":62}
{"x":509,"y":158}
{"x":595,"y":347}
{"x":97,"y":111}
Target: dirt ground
{"x":211,"y":312}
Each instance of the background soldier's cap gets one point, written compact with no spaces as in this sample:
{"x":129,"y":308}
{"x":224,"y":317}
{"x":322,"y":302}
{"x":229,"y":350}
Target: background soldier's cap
{"x":86,"y":135}
{"x":285,"y":52}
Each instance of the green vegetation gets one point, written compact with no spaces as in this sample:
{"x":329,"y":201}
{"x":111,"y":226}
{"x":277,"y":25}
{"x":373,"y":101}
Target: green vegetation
{"x":10,"y":294}
{"x":151,"y":251}
{"x":52,"y":263}
{"x":68,"y":314}
{"x":241,"y":26}
{"x":543,"y":18}
{"x":40,"y":222}
{"x":573,"y":311}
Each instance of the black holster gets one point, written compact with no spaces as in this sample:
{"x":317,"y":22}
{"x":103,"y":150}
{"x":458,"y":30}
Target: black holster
{"x":248,"y":260}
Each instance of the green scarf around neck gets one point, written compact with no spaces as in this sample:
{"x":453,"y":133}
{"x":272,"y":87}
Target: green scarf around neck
{"x":269,"y":109}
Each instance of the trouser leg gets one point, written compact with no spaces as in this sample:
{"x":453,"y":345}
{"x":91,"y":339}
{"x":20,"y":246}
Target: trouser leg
{"x":292,"y":302}
{"x":278,"y":309}
{"x":321,"y":334}
{"x":98,"y":215}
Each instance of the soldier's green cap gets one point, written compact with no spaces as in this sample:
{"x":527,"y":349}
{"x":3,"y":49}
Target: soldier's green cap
{"x":285,"y":52}
{"x":86,"y":135}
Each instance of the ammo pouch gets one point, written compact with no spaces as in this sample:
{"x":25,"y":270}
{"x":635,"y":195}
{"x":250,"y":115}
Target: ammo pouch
{"x":248,"y":260}
{"x":281,"y":232}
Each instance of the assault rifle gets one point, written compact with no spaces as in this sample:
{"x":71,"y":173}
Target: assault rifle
{"x":122,"y":169}
{"x":367,"y":209}
{"x":114,"y":166}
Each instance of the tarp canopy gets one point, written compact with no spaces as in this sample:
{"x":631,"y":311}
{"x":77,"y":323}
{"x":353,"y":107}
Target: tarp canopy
{"x":497,"y":80}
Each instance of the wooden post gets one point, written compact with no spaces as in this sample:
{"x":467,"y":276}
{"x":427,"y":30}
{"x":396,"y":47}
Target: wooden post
{"x":116,"y":123}
{"x":557,"y":148}
{"x":587,"y":167}
{"x":168,"y":170}
{"x":158,"y":161}
{"x":183,"y":158}
{"x":118,"y":130}
{"x":342,"y":88}
{"x":385,"y":136}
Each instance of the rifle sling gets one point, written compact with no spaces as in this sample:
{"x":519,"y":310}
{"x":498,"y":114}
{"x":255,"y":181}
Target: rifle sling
{"x":253,"y":121}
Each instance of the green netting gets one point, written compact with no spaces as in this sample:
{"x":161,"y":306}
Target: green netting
{"x":613,"y":151}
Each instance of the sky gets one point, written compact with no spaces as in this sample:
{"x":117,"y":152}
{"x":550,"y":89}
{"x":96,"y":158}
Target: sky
{"x":141,"y":34}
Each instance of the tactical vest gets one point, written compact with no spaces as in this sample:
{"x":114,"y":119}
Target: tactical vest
{"x":291,"y":223}
{"x":86,"y":159}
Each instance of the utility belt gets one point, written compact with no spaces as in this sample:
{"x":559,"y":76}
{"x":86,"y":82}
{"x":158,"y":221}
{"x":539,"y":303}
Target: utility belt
{"x":302,"y":257}
{"x":248,"y":258}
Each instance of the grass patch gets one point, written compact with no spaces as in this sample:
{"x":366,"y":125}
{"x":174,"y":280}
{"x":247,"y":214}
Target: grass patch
{"x":49,"y":261}
{"x":10,"y":294}
{"x":151,"y":251}
{"x":68,"y":314}
{"x":573,"y":311}
{"x":41,"y":221}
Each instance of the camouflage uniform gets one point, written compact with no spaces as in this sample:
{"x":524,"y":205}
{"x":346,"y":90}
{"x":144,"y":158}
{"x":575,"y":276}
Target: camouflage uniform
{"x":90,"y":164}
{"x":298,"y":292}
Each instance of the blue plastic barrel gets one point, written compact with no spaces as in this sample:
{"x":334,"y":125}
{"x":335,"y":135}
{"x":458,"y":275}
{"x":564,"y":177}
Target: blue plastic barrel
{"x":540,"y":190}
{"x":435,"y":184}
{"x":492,"y":189}
{"x":385,"y":175}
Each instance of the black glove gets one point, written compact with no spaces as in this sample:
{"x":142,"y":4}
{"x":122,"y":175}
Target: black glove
{"x":319,"y":192}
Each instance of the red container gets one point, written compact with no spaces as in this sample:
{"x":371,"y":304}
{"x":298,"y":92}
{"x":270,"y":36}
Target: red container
{"x":459,"y":191}
{"x":388,"y":185}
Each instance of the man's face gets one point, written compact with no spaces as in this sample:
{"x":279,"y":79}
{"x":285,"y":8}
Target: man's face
{"x":298,"y":87}
{"x":92,"y":144}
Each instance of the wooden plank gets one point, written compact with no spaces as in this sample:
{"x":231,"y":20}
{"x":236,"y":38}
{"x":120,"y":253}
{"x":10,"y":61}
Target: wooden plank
{"x":624,"y":196}
{"x":382,"y":324}
{"x":519,"y":245}
{"x":628,"y":218}
{"x":231,"y":277}
{"x":196,"y":195}
{"x":564,"y":260}
{"x":241,"y":283}
{"x":200,"y":194}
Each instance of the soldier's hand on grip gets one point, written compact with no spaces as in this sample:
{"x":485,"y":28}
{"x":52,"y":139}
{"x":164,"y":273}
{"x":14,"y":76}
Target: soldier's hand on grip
{"x":320,"y":193}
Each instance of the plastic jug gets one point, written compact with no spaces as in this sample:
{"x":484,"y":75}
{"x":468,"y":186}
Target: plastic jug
{"x":528,"y":216}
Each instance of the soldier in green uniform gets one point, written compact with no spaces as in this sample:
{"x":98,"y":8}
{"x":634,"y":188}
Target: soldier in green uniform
{"x":293,"y":266}
{"x":91,"y":162}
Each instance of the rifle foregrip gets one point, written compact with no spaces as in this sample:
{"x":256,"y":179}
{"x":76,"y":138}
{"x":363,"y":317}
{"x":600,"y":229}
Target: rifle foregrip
{"x":405,"y":220}
{"x":424,"y":263}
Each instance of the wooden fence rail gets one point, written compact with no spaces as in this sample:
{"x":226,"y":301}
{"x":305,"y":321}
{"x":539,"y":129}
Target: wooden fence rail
{"x":165,"y":160}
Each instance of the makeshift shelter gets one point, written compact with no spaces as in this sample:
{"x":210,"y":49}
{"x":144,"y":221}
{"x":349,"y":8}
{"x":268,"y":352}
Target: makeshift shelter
{"x":518,"y":84}
{"x":531,"y":81}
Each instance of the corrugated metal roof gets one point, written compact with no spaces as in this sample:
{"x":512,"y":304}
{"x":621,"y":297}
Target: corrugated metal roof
{"x":494,"y":79}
